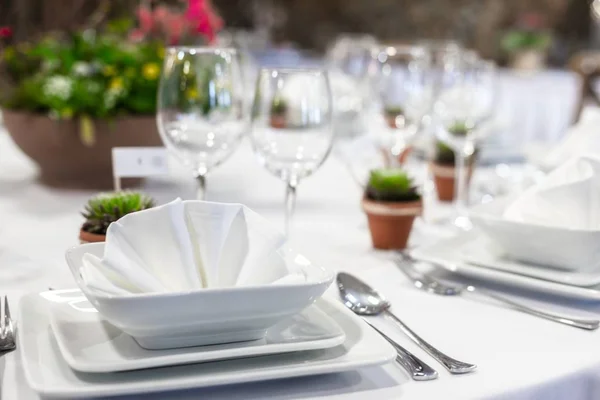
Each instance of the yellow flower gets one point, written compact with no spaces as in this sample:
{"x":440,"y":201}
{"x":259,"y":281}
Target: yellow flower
{"x":116,"y":84}
{"x":109,"y":70}
{"x":150,"y":71}
{"x":66,"y":113}
{"x":191,"y":93}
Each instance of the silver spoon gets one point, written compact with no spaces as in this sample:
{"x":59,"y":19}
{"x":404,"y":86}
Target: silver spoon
{"x":364,"y":300}
{"x":429,"y":284}
{"x":418,"y":370}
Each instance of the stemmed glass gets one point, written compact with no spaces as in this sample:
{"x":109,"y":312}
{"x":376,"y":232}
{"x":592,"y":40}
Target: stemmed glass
{"x":200,"y":112}
{"x":466,"y":100}
{"x":404,"y":87}
{"x":292,"y":129}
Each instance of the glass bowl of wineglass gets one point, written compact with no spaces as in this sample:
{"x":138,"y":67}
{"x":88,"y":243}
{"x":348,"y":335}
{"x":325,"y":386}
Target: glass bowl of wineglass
{"x":201,"y":113}
{"x":292,"y":126}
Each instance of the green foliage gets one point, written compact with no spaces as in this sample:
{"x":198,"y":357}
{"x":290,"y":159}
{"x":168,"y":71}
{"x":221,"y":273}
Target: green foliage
{"x":279,"y":106}
{"x":517,"y":40}
{"x":391,"y":185}
{"x":106,"y":208}
{"x":444,"y":154}
{"x":393,"y":111}
{"x":87,"y":73}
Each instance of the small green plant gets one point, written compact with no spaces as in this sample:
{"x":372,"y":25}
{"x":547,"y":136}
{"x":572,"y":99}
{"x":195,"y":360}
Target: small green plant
{"x":278,"y":107}
{"x":518,"y":40}
{"x":106,"y":208}
{"x":530,"y":33}
{"x":444,"y":155}
{"x":391,"y":185}
{"x":393,"y":112}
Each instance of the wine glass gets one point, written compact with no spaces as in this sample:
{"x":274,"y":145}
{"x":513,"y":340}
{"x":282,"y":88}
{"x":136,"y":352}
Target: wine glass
{"x":349,"y":53}
{"x":292,"y":125}
{"x":404,"y":88}
{"x":200,"y":112}
{"x":466,"y":100}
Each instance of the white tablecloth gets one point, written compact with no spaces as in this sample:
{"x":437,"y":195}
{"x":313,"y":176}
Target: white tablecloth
{"x":519,"y":356}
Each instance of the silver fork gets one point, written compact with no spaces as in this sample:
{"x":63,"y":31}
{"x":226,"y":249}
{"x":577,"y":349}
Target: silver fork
{"x":429,"y":284}
{"x":7,"y":329}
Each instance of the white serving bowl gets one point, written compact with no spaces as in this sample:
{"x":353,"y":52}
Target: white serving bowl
{"x":204,"y":316}
{"x":567,"y":249}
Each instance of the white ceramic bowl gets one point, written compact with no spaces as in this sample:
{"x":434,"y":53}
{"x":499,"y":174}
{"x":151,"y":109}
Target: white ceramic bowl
{"x":205,"y":316}
{"x":568,"y":249}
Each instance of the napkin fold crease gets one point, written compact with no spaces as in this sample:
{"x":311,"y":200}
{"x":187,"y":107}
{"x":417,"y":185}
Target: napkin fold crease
{"x":188,"y":245}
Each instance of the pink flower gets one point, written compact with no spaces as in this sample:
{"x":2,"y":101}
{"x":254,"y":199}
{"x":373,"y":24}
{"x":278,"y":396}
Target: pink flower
{"x":532,"y":21}
{"x":146,"y":19}
{"x":5,"y":32}
{"x":137,"y":35}
{"x":175,"y":27}
{"x":203,"y":18}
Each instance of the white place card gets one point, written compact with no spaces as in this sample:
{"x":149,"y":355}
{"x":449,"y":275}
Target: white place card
{"x":137,"y":162}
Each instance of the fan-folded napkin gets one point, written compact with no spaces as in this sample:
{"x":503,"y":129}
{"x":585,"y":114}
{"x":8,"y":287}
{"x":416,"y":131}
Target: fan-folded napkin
{"x":568,"y":197}
{"x":188,"y":245}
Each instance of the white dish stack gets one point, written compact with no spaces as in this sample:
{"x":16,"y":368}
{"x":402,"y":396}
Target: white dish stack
{"x":198,"y":289}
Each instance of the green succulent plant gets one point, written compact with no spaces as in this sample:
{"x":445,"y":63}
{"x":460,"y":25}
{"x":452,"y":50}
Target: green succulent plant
{"x":391,"y":185}
{"x":106,"y":208}
{"x":393,"y":111}
{"x":444,"y":154}
{"x":279,"y":106}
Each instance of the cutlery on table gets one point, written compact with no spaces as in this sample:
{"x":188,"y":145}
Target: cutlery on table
{"x":417,"y":368}
{"x":7,"y":329}
{"x":364,"y":300}
{"x":432,"y":285}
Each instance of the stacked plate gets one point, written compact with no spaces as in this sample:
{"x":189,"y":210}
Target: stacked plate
{"x":69,"y":350}
{"x":553,"y":260}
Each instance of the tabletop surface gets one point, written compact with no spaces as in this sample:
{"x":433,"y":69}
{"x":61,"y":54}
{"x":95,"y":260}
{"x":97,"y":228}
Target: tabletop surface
{"x":519,"y":356}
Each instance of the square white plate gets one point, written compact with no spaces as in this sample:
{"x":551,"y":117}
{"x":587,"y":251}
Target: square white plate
{"x":470,"y":254}
{"x":91,"y":344}
{"x":48,"y":374}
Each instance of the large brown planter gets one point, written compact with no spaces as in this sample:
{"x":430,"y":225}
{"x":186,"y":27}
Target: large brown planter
{"x":444,"y":178}
{"x":87,"y":237}
{"x":61,"y":156}
{"x":390,"y":223}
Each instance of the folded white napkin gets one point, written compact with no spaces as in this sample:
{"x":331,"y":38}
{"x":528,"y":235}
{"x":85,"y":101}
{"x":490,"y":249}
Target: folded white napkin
{"x":581,"y":138}
{"x":568,"y":197}
{"x":188,"y":245}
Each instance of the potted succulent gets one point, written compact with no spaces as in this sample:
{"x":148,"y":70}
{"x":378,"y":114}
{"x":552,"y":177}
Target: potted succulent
{"x":393,"y":115}
{"x":106,"y":208}
{"x":278,"y":113}
{"x":394,"y":118}
{"x":527,"y":44}
{"x":443,"y":166}
{"x":74,"y":96}
{"x":391,"y":202}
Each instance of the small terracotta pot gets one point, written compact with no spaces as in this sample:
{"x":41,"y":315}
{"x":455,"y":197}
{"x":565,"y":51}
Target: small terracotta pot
{"x":390,"y":223}
{"x":528,"y":60}
{"x":64,"y":161}
{"x":444,"y":178}
{"x":278,"y":121}
{"x":87,"y":237}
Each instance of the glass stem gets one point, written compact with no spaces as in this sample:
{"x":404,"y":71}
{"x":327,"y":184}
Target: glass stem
{"x":290,"y":205}
{"x":201,"y":190}
{"x":461,"y":188}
